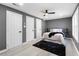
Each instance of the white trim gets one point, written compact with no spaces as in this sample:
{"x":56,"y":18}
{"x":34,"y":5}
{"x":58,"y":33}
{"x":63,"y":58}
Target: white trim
{"x":24,"y":43}
{"x":75,"y":47}
{"x":30,"y":28}
{"x":15,"y":47}
{"x":27,"y":42}
{"x":11,"y":48}
{"x":3,"y":50}
{"x":8,"y":28}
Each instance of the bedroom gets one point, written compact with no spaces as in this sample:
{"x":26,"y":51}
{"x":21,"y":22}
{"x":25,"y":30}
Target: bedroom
{"x":27,"y":27}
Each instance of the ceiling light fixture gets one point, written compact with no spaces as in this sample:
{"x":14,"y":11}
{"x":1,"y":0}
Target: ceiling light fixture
{"x":45,"y":14}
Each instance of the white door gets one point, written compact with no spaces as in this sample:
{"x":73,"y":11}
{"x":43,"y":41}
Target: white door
{"x":13,"y":29}
{"x":38,"y":28}
{"x":29,"y":28}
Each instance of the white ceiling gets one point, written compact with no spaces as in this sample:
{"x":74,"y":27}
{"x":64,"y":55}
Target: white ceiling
{"x":62,"y":10}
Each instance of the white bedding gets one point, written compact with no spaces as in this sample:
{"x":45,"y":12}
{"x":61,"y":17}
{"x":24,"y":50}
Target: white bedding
{"x":57,"y":38}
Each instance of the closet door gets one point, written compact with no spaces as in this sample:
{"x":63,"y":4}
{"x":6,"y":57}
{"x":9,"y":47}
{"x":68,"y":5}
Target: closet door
{"x":29,"y":28}
{"x":38,"y":28}
{"x":13,"y":29}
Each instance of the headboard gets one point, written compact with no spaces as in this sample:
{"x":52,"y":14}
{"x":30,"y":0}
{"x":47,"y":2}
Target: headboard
{"x":56,"y":30}
{"x":64,"y":30}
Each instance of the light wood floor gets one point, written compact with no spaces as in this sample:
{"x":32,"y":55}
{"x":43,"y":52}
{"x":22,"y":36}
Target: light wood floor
{"x":29,"y":50}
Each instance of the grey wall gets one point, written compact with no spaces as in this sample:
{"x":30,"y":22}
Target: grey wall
{"x":43,"y":26}
{"x":3,"y":25}
{"x":60,"y":23}
{"x":2,"y":28}
{"x":35,"y":28}
{"x":24,"y":29}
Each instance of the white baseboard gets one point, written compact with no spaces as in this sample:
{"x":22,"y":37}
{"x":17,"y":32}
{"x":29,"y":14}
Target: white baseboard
{"x":14,"y":47}
{"x":24,"y":43}
{"x":75,"y":47}
{"x":3,"y":50}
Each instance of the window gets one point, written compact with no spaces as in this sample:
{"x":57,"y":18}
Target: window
{"x":75,"y":25}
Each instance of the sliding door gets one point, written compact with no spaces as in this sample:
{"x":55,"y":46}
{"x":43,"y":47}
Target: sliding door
{"x":13,"y":29}
{"x":38,"y":28}
{"x":29,"y":28}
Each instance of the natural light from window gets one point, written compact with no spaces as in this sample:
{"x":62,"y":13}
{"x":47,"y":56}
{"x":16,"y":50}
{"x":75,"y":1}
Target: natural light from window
{"x":75,"y":25}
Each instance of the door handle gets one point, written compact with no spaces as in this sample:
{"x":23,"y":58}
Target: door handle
{"x":20,"y":31}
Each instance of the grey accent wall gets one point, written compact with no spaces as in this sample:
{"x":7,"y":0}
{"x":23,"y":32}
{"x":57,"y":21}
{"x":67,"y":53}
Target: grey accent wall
{"x":24,"y":29}
{"x":43,"y":26}
{"x":3,"y":25}
{"x":34,"y":27}
{"x":60,"y":23}
{"x":2,"y":28}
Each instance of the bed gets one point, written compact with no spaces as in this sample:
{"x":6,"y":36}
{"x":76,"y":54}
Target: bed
{"x":53,"y":43}
{"x":56,"y":38}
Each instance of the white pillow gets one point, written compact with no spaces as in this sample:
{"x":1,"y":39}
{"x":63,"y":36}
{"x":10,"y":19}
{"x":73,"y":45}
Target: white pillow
{"x":55,"y":30}
{"x":45,"y":35}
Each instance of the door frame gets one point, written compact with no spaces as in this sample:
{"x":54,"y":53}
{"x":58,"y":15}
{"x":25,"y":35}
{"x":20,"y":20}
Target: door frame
{"x":6,"y":29}
{"x":38,"y":29}
{"x":26,"y":27}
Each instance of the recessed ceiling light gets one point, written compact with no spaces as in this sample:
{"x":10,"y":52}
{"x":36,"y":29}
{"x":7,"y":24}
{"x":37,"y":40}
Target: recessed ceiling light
{"x":20,"y":4}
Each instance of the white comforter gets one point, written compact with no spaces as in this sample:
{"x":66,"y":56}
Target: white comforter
{"x":57,"y":38}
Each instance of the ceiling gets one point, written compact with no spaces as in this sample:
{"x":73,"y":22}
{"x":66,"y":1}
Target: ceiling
{"x":62,"y":10}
